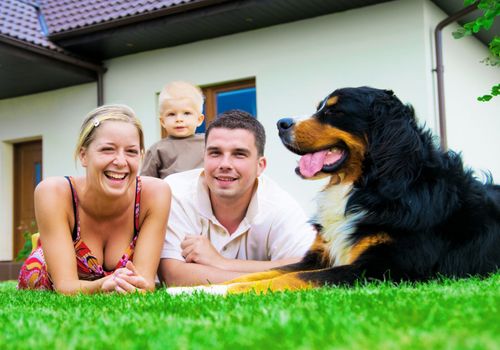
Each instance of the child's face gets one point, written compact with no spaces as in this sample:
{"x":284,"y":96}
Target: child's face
{"x":180,"y":117}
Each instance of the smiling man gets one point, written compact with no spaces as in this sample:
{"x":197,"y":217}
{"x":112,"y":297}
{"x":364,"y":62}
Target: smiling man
{"x":228,"y":219}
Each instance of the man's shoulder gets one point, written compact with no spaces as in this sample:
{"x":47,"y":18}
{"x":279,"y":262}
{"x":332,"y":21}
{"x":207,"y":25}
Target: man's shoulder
{"x":268,"y":186}
{"x":271,"y":193}
{"x":185,"y":180}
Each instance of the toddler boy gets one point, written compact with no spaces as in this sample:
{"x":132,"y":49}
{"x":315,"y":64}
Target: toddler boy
{"x":181,"y":106}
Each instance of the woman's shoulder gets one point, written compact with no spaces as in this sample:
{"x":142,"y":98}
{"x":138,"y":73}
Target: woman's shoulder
{"x":154,"y":187}
{"x":53,"y":191}
{"x":54,"y":184}
{"x":149,"y":181}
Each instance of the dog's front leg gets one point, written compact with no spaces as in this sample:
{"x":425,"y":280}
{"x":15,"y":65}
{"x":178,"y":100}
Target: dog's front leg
{"x":256,"y":276}
{"x":287,"y":281}
{"x":276,"y":272}
{"x":341,"y":275}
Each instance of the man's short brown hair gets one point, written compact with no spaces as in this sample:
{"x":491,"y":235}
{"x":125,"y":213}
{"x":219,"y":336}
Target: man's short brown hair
{"x":237,"y":119}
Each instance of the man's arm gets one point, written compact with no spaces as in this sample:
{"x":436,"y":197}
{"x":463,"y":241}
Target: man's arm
{"x":249,"y":266}
{"x":199,"y":250}
{"x":179,"y":273}
{"x":204,"y":264}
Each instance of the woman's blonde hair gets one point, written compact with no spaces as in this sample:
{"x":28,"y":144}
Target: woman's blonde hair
{"x":104,"y":113}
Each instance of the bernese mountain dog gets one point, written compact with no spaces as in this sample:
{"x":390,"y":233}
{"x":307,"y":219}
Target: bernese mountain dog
{"x":396,"y":207}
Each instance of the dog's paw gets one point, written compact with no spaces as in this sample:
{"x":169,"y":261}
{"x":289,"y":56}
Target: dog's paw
{"x":212,"y":290}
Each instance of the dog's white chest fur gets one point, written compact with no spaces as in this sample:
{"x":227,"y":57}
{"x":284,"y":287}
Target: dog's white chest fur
{"x":337,"y":226}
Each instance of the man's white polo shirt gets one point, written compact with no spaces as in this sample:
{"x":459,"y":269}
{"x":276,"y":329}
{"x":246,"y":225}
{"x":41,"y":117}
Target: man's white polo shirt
{"x":275,"y":226}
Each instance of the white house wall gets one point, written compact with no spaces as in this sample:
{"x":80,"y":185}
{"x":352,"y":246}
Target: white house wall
{"x":295,"y":66}
{"x":473,"y":127}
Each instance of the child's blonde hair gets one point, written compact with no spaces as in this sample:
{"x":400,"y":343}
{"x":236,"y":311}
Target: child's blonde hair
{"x":100,"y":114}
{"x":181,"y":89}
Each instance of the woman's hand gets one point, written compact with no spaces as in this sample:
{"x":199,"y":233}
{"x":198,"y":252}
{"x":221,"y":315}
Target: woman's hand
{"x":109,"y":284}
{"x":128,"y":280}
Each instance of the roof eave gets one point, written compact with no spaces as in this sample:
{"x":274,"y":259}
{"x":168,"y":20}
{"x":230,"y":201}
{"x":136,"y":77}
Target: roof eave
{"x":58,"y":56}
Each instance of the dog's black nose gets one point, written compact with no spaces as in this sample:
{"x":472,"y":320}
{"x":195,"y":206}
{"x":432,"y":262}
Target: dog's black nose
{"x":285,"y":124}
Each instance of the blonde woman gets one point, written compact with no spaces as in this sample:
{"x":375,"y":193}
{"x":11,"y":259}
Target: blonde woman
{"x":92,"y":227}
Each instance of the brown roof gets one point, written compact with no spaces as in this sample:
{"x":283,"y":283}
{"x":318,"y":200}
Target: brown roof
{"x":19,"y":20}
{"x":64,"y":15}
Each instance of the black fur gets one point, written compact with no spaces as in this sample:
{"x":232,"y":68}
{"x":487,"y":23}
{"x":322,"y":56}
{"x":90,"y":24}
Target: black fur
{"x":441,"y":220}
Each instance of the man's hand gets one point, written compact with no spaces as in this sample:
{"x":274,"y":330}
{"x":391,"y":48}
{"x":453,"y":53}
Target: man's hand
{"x":198,"y":249}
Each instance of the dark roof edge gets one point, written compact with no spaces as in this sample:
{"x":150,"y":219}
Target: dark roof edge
{"x":92,"y":66}
{"x":134,"y":19}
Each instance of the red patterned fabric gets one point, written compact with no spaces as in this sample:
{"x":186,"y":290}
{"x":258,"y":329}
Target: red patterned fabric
{"x":34,"y":274}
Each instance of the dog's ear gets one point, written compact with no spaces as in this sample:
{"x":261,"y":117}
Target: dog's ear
{"x":389,"y":92}
{"x":395,"y":146}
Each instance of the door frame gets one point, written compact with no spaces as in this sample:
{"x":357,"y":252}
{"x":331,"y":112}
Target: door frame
{"x":23,"y":149}
{"x":6,"y":200}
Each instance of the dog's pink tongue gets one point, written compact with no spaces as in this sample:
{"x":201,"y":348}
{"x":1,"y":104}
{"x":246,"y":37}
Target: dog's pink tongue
{"x":312,"y":163}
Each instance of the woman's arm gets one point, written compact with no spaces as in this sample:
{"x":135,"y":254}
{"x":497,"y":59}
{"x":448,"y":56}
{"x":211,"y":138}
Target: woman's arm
{"x":155,"y":208}
{"x":54,"y":216}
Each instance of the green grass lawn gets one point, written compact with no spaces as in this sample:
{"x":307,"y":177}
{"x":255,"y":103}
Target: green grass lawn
{"x":447,"y":314}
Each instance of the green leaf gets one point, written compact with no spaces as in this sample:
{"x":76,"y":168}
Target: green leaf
{"x":487,"y":23}
{"x":494,"y":46}
{"x":476,"y":27}
{"x":495,"y":90}
{"x":485,"y":98}
{"x":459,"y":33}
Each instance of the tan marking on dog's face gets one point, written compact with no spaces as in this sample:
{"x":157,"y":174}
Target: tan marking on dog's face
{"x":367,"y":242}
{"x":311,"y":136}
{"x":332,"y":100}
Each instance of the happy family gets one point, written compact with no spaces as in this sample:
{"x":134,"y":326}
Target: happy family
{"x":200,"y":212}
{"x":396,"y":207}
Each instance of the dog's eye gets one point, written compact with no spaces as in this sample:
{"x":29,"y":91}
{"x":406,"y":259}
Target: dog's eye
{"x":331,"y":111}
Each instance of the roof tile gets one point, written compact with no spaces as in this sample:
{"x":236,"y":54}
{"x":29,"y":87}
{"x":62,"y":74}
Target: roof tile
{"x":20,"y":21}
{"x":63,"y":16}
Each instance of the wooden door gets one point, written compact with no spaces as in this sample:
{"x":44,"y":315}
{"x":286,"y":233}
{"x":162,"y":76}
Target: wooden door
{"x":27,"y":174}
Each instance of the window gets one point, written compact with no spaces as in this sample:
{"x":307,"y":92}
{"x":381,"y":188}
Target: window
{"x":223,"y":97}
